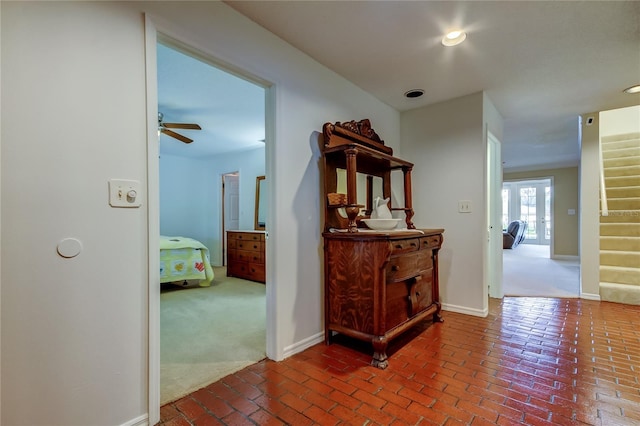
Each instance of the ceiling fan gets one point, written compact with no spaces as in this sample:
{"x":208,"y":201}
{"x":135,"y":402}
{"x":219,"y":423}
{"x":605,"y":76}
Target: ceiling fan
{"x":165,"y":128}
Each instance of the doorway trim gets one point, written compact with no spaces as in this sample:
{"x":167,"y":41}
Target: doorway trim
{"x":152,"y":33}
{"x":493,"y":261}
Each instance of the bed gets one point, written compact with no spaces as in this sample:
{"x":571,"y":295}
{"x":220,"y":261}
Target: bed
{"x":183,"y":259}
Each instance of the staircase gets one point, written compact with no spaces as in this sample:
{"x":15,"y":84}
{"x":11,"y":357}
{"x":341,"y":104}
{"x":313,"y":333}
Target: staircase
{"x":620,"y":230}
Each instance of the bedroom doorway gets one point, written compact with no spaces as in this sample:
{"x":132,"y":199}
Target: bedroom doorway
{"x":196,"y":338}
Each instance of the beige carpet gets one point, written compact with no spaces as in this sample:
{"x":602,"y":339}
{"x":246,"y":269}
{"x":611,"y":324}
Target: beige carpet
{"x":207,"y":333}
{"x":528,"y":271}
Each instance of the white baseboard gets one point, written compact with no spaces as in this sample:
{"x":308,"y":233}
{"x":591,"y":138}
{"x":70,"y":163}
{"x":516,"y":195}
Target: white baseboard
{"x":465,"y":310}
{"x":565,"y":257}
{"x":590,"y":296}
{"x":143,"y":420}
{"x":303,"y":344}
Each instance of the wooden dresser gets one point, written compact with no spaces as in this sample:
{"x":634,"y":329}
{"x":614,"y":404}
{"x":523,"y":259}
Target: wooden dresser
{"x":245,"y":255}
{"x":378,"y":283}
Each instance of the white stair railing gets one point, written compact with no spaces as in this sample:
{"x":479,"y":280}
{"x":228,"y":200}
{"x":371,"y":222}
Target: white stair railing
{"x":603,"y":188}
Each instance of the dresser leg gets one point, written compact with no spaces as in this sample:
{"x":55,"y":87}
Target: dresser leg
{"x":436,"y":316}
{"x":380,"y":352}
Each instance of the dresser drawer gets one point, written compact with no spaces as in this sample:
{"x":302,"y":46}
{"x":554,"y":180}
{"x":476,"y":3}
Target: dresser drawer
{"x":405,"y":246}
{"x":250,"y":245}
{"x":246,"y":256}
{"x":408,"y":265}
{"x":247,"y":271}
{"x":430,"y":242}
{"x":246,"y":236}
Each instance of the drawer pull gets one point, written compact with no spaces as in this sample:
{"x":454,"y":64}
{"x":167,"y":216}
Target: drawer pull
{"x":395,"y":268}
{"x":417,"y":293}
{"x":413,"y":244}
{"x":398,"y":246}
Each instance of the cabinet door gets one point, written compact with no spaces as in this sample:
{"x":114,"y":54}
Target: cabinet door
{"x":397,"y":295}
{"x":424,"y":291}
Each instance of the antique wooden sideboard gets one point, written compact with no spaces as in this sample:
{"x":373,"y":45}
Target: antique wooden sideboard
{"x":378,"y":283}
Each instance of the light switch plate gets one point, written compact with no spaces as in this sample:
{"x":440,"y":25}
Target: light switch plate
{"x":124,"y":193}
{"x":464,"y":206}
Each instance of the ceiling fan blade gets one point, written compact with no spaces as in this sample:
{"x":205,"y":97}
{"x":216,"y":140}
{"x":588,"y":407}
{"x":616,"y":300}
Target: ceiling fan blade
{"x":182,"y":126}
{"x":176,"y":135}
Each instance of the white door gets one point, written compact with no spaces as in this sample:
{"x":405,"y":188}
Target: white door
{"x":230,"y":207}
{"x":534,"y":207}
{"x":493,"y":265}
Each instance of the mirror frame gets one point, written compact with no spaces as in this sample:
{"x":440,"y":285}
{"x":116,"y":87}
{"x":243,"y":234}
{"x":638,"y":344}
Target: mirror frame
{"x":257,"y":226}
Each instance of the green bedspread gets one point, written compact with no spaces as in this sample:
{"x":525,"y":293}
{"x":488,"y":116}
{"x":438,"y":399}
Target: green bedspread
{"x":184,"y":259}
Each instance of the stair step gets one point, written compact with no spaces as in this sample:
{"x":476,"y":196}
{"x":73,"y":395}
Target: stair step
{"x":618,"y":162}
{"x":620,"y":258}
{"x":620,"y":275}
{"x":621,"y":144}
{"x":621,"y":216}
{"x":620,"y":243}
{"x":615,"y":140}
{"x":623,"y":191}
{"x":620,"y":293}
{"x":631,"y":170}
{"x":621,"y":181}
{"x":620,"y":229}
{"x":621,"y":153}
{"x":631,"y":203}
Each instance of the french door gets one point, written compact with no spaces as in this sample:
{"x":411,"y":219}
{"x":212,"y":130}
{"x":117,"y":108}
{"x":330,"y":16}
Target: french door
{"x":530,"y":201}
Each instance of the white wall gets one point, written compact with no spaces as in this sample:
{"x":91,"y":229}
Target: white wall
{"x":620,"y":121}
{"x":447,"y":145}
{"x":74,"y":331}
{"x":590,"y":208}
{"x":191,"y":196}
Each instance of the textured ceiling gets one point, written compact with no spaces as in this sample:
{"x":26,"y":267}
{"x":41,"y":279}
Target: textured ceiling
{"x":542,"y":63}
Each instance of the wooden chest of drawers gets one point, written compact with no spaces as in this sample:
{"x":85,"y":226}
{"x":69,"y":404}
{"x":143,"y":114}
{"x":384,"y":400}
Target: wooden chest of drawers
{"x":245,"y":255}
{"x":377,"y":285}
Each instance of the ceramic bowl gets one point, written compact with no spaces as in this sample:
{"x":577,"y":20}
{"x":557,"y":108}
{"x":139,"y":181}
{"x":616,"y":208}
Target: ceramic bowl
{"x":381,"y":224}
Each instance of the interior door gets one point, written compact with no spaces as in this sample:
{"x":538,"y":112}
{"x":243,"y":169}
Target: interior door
{"x":230,"y":207}
{"x":493,"y":265}
{"x":534,"y":206}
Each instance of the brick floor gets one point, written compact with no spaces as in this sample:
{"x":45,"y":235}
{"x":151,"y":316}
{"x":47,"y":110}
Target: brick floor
{"x":532,"y":361}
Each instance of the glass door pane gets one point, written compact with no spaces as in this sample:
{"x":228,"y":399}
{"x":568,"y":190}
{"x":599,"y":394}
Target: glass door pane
{"x":528,"y":208}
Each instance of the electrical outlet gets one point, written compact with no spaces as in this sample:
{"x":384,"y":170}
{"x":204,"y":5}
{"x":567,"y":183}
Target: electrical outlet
{"x":464,"y":206}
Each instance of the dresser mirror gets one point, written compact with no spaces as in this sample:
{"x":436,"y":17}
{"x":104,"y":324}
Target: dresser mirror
{"x":361,"y":189}
{"x":261,"y":204}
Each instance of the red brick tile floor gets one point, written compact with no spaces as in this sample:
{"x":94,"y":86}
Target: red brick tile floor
{"x":533,"y":361}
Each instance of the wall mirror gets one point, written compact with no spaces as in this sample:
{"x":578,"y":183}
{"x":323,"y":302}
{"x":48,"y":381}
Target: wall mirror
{"x":361,"y":187}
{"x":261,"y":203}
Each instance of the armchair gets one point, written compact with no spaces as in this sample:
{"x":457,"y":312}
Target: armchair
{"x":514,"y":234}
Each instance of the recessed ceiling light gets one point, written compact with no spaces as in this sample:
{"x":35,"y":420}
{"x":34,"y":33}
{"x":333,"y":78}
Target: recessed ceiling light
{"x":632,"y":89}
{"x":414,"y":93}
{"x":453,"y":38}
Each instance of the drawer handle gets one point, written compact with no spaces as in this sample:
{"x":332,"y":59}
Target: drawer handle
{"x":255,"y":247}
{"x":413,"y":244}
{"x":398,"y":246}
{"x":395,"y":268}
{"x":417,"y":293}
